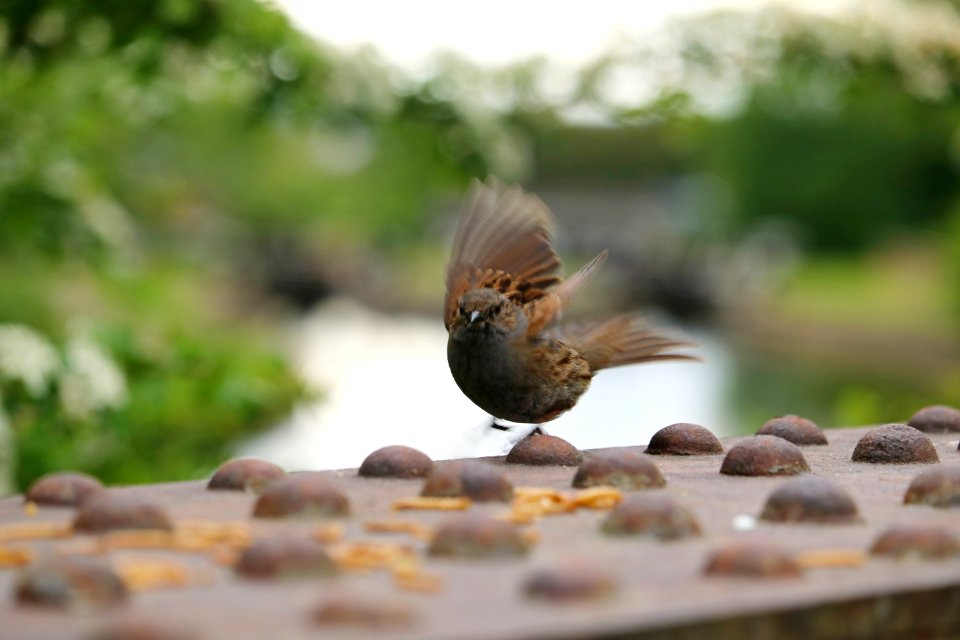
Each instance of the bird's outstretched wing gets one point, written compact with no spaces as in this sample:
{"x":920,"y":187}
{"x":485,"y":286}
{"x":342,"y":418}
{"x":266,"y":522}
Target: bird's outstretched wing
{"x":619,"y":341}
{"x":503,"y":242}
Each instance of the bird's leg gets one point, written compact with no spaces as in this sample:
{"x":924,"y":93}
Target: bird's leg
{"x":517,"y":431}
{"x":499,"y":427}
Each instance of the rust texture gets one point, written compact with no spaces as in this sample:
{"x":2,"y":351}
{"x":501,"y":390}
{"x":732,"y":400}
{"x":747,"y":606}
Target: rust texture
{"x":285,"y":557}
{"x":564,"y":584}
{"x":895,"y":444}
{"x":396,"y":461}
{"x":661,"y":589}
{"x":753,"y":561}
{"x":684,"y":439}
{"x":64,"y":488}
{"x":245,"y":474}
{"x":795,"y":429}
{"x":621,"y":468}
{"x":764,"y":456}
{"x":938,"y":418}
{"x":471,"y":479}
{"x":110,"y":510}
{"x":654,"y":515}
{"x":810,"y":499}
{"x":544,"y":450}
{"x":477,"y":536}
{"x":937,"y":487}
{"x":302,"y":495}
{"x":77,"y":584}
{"x":923,"y":541}
{"x":141,"y":629}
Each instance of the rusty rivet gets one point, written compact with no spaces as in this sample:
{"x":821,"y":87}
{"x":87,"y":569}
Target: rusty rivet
{"x":106,"y":511}
{"x":301,"y":495}
{"x":651,"y":515}
{"x":938,"y":418}
{"x":396,"y":461}
{"x":938,"y":487}
{"x":764,"y":456}
{"x":540,"y":449}
{"x":285,"y":557}
{"x":752,"y":560}
{"x":810,"y":499}
{"x":795,"y":429}
{"x":475,"y":480}
{"x":477,"y":536}
{"x":916,"y":541}
{"x":78,"y":584}
{"x":684,"y":439}
{"x":565,"y":584}
{"x":141,"y":629}
{"x":895,"y":444}
{"x":356,"y":611}
{"x":63,"y":488}
{"x":245,"y":474}
{"x":620,"y":468}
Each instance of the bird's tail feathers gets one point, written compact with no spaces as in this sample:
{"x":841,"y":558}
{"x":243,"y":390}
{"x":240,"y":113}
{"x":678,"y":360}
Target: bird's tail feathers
{"x":623,"y":340}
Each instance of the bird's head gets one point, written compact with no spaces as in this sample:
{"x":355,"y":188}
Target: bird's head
{"x":487,"y":312}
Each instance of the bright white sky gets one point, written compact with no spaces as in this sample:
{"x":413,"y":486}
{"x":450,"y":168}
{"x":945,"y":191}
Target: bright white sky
{"x":496,"y":32}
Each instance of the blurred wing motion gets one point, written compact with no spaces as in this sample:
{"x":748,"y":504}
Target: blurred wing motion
{"x":503,"y":242}
{"x":619,"y":341}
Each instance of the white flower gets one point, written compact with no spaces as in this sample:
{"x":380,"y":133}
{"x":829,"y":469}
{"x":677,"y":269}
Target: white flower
{"x":27,"y":356}
{"x":92,"y":380}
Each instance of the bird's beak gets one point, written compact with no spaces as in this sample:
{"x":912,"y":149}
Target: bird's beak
{"x":473,"y":316}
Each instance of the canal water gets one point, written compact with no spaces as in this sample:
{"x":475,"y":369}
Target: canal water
{"x":383,"y":379}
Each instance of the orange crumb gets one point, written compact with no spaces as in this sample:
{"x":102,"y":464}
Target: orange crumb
{"x":418,"y":581}
{"x":34,"y":530}
{"x":140,"y":574}
{"x":15,"y":556}
{"x":329,"y":533}
{"x":597,"y":498}
{"x":532,"y":536}
{"x":365,"y":556}
{"x":826,"y":558}
{"x":137,"y":539}
{"x":531,"y":503}
{"x":397,"y":525}
{"x":430,"y":503}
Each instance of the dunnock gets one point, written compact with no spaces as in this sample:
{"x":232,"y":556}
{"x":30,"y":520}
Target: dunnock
{"x":503,"y":301}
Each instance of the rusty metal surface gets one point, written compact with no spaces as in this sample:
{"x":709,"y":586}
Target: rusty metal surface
{"x":661,"y":592}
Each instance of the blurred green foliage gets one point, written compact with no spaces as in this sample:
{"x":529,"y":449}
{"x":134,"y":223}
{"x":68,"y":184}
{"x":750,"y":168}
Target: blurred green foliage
{"x":850,"y":170}
{"x":149,"y":151}
{"x":842,"y":127}
{"x":831,"y":396}
{"x":156,"y":158}
{"x":189,"y":398}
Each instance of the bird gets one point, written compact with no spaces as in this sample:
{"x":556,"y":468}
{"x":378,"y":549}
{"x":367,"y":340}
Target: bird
{"x":507,"y":347}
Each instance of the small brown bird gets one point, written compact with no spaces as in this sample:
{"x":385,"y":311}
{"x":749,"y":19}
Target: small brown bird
{"x":503,"y":301}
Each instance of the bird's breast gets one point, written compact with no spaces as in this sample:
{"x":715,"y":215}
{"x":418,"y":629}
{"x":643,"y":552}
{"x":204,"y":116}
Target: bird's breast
{"x":480,"y":364}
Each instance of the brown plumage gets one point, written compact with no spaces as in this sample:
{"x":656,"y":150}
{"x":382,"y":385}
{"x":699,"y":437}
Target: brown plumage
{"x":503,"y":302}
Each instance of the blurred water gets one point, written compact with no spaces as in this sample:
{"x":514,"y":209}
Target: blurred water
{"x":385,"y":380}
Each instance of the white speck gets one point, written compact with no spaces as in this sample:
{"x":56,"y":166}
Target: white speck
{"x":744,"y":522}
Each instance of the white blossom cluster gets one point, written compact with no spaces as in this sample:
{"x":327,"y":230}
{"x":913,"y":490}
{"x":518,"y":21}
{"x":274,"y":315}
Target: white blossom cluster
{"x":87,"y":378}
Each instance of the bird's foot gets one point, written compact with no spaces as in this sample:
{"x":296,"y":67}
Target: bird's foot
{"x":517,"y":431}
{"x":499,"y":427}
{"x":514,"y":427}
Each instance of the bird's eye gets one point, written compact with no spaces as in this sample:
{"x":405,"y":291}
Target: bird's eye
{"x":463,"y":310}
{"x":498,"y":308}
